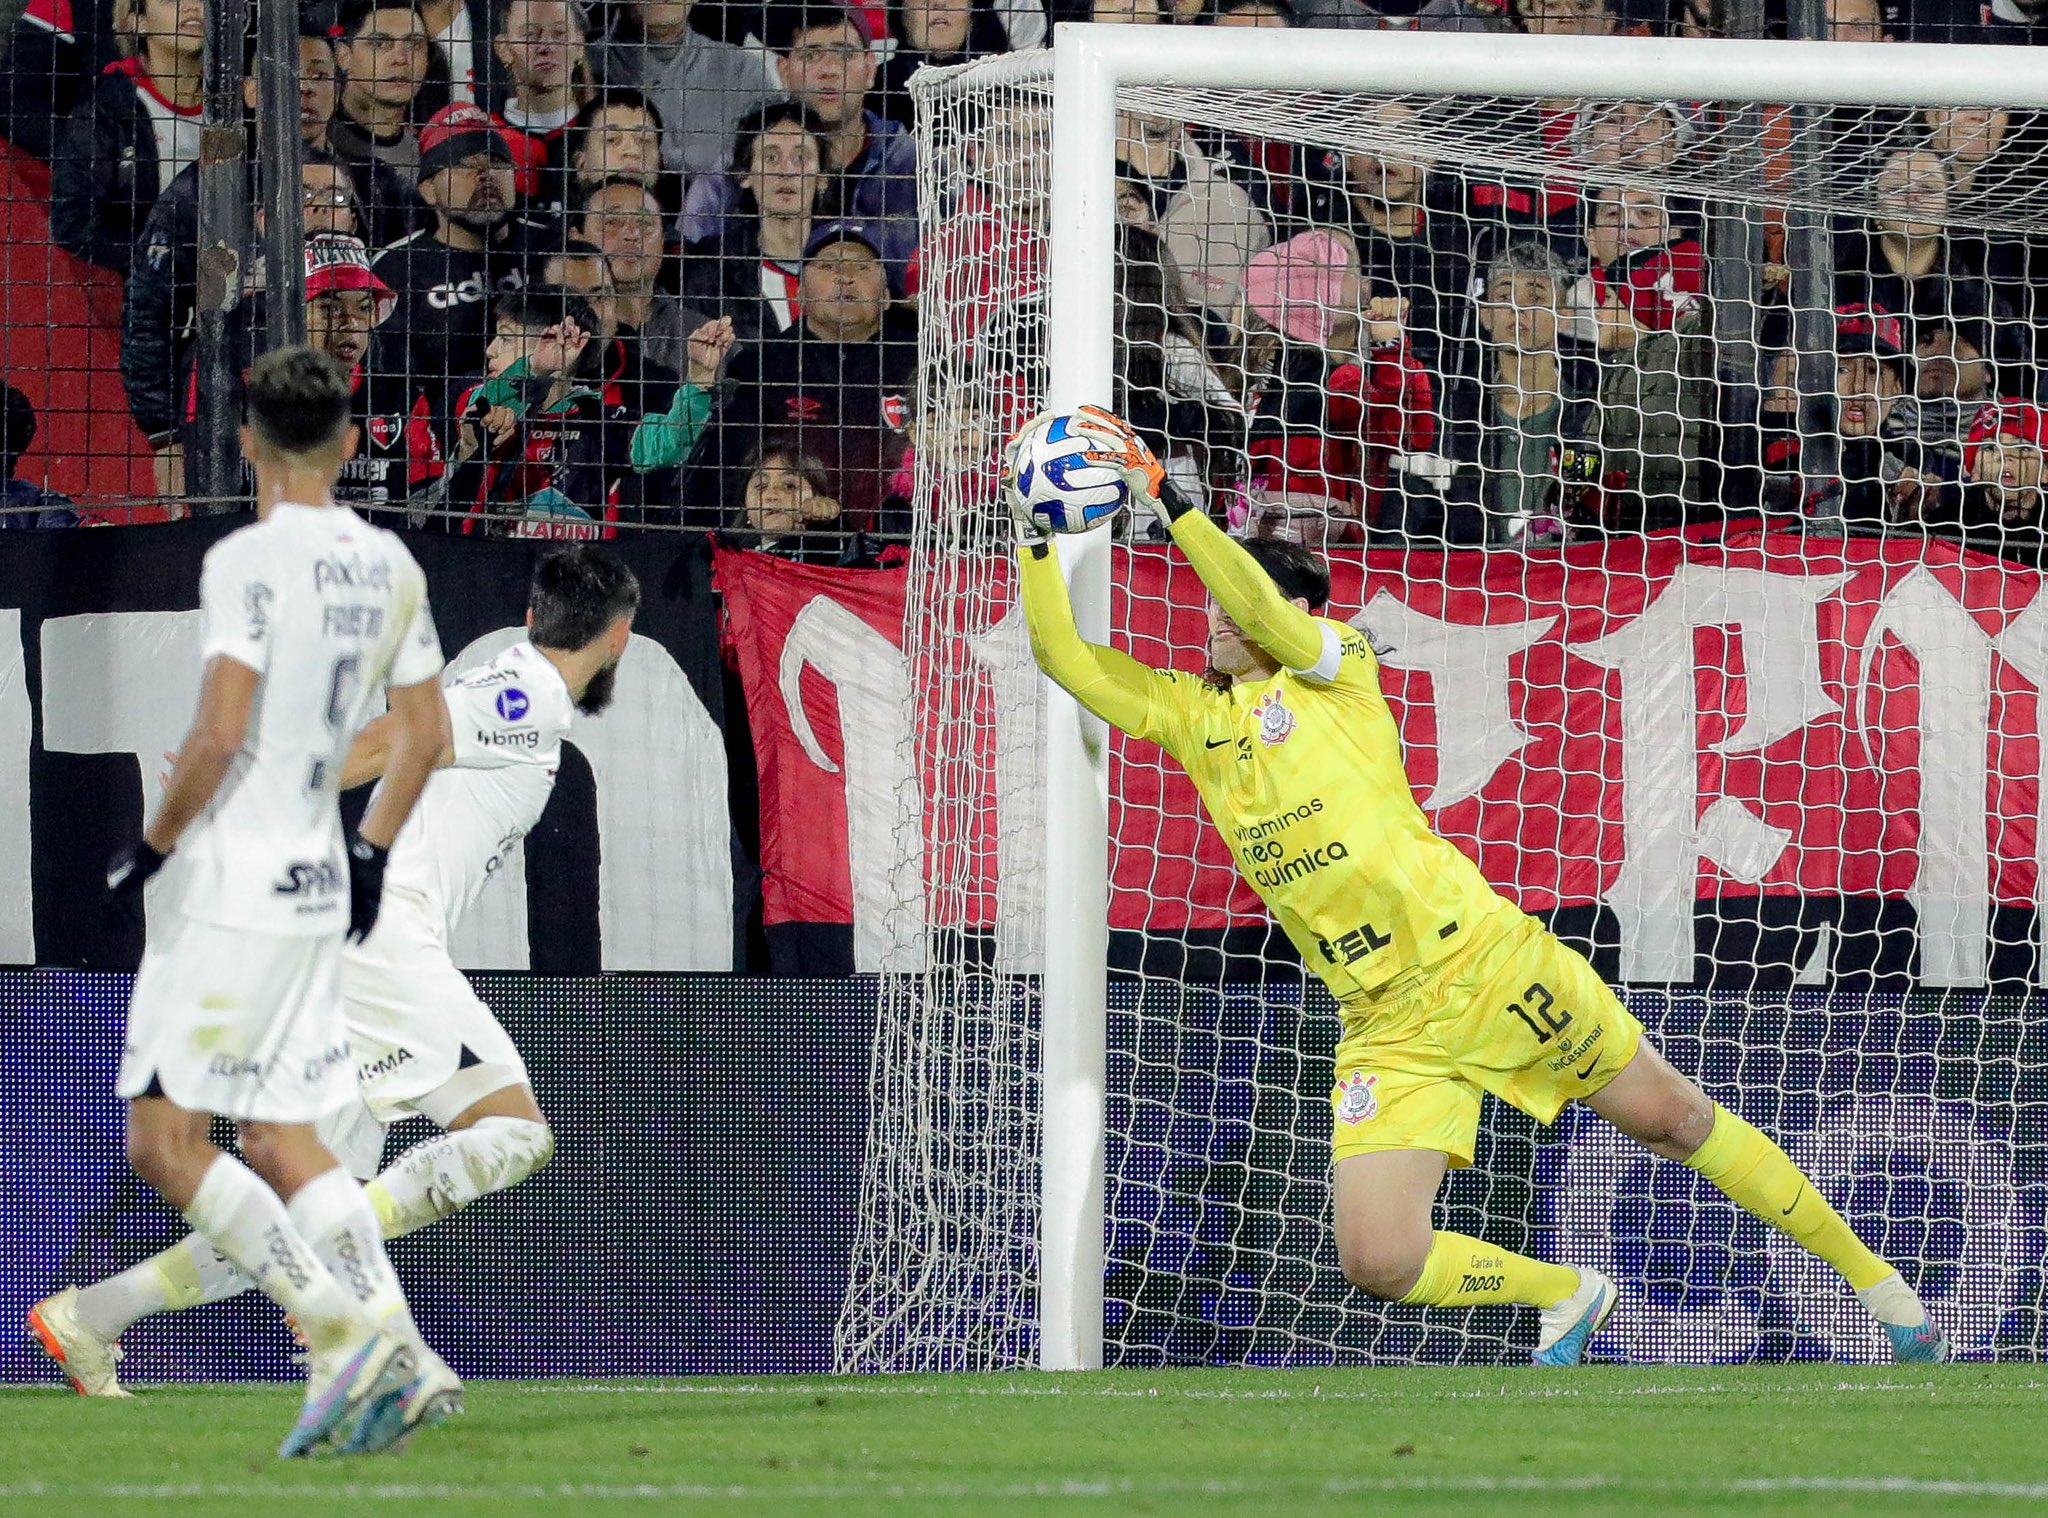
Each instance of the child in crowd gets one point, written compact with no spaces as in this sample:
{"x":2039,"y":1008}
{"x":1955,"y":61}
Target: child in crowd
{"x":787,"y":497}
{"x":788,"y":509}
{"x":538,"y":455}
{"x":542,"y":452}
{"x":1953,"y":379}
{"x":2002,"y":467}
{"x":1870,"y":377}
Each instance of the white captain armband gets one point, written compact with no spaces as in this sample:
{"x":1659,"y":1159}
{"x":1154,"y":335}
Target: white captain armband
{"x":1324,"y":670}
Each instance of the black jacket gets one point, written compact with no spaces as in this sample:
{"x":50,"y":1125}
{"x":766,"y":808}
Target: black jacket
{"x":890,"y":98}
{"x":157,"y":310}
{"x":1970,"y":279}
{"x":847,"y":404}
{"x":437,"y":336}
{"x":1432,"y":271}
{"x":104,"y":175}
{"x":723,"y":275}
{"x":391,"y":210}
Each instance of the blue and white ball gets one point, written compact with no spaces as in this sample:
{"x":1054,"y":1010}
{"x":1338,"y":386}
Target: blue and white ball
{"x":1061,"y":489}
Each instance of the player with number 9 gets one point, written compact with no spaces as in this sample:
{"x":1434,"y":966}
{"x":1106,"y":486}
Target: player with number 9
{"x":1447,"y":990}
{"x":306,"y":615}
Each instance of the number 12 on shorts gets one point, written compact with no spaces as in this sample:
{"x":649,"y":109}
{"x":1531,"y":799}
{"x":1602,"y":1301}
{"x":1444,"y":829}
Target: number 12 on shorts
{"x":1542,"y":1016}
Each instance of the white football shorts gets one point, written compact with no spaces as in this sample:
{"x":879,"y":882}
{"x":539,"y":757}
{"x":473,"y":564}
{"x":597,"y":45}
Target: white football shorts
{"x":244,"y":1024}
{"x":424,"y":1043}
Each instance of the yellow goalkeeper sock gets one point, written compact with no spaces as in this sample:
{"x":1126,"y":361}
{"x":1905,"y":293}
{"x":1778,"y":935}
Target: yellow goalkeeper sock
{"x":1761,"y":1179}
{"x":1464,"y":1272}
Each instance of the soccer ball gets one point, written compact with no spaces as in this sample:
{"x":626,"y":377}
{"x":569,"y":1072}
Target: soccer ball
{"x":1060,"y":488}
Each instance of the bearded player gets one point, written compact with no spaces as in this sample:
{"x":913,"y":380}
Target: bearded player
{"x":1446,"y":989}
{"x":422,"y":1042}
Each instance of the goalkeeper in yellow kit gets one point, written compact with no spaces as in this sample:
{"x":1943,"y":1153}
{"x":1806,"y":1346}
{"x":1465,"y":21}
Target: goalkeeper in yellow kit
{"x":1446,"y":989}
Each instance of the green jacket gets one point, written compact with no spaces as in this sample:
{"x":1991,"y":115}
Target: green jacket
{"x":1656,"y":403}
{"x":664,"y":441}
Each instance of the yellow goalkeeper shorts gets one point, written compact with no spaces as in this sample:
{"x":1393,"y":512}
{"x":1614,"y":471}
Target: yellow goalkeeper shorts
{"x":1520,"y":1014}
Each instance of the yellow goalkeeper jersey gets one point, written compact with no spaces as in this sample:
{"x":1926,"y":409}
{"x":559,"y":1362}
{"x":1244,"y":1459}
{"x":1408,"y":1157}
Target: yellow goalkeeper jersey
{"x":1302,"y":773}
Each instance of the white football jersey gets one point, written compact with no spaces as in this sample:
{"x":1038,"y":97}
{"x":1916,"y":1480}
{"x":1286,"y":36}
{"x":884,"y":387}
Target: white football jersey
{"x":508,"y":719}
{"x":329,"y":611}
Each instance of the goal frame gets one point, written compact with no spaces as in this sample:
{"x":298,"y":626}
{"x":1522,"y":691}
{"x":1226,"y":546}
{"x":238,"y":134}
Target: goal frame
{"x":1091,"y":62}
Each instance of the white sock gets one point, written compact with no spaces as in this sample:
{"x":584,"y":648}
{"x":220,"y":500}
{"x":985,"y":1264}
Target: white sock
{"x":338,"y":1221}
{"x":428,"y":1182}
{"x":243,"y":1219}
{"x":438,"y":1178}
{"x":190,"y":1272}
{"x":1893,"y":1301}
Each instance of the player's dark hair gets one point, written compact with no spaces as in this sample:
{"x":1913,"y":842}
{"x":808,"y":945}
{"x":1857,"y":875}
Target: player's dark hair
{"x":298,"y":399}
{"x":1301,"y":573}
{"x":576,"y":594}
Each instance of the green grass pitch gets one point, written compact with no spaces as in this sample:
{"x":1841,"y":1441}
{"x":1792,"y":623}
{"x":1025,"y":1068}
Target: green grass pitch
{"x":1645,"y":1442}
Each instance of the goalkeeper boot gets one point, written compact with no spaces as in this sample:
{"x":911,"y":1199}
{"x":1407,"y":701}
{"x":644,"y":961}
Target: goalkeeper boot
{"x":1568,"y":1326}
{"x":90,"y":1361}
{"x":344,"y":1384}
{"x":1925,"y":1345}
{"x":432,"y":1397}
{"x":1903,"y":1316}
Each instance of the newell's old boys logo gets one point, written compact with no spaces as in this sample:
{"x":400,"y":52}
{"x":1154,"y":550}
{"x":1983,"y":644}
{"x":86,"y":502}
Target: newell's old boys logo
{"x":383,"y":430}
{"x":1274,"y":719}
{"x":1357,"y":1101}
{"x":512,"y":703}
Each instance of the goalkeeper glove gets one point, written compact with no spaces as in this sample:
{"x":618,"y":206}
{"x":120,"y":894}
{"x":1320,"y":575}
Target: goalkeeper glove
{"x":1127,"y":454}
{"x":365,"y":886}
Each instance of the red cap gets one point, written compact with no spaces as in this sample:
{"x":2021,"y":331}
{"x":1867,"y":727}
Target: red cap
{"x":2017,"y":419}
{"x":457,"y":132}
{"x":1869,"y":329}
{"x":338,"y":262}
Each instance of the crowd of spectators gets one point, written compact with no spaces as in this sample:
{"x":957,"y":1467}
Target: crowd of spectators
{"x":656,"y":261}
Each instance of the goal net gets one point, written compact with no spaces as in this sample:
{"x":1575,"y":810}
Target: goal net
{"x":1682,"y":457}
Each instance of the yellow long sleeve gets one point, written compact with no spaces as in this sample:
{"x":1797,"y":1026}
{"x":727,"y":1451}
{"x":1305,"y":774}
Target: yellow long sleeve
{"x":1287,"y":633}
{"x":1113,"y":685}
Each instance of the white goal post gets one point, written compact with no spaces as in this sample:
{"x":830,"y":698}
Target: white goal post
{"x":1095,"y":71}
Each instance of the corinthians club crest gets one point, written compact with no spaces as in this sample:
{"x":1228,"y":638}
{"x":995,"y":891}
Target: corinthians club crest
{"x":1274,"y":719}
{"x":1357,"y":1100}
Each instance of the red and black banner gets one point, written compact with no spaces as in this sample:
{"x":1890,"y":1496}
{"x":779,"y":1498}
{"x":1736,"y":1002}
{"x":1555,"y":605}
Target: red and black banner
{"x":1732,"y":761}
{"x":1759,"y":760}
